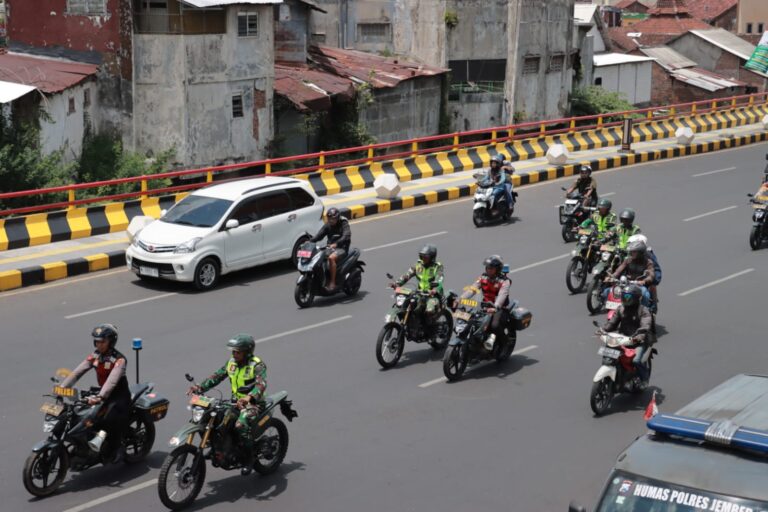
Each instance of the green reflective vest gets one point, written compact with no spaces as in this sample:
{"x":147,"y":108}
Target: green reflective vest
{"x":602,"y":222}
{"x":240,"y":376}
{"x":428,"y":275}
{"x":625,"y":233}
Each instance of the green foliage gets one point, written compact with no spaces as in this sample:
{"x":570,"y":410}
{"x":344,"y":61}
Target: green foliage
{"x":594,"y":100}
{"x":451,"y":19}
{"x":520,"y":116}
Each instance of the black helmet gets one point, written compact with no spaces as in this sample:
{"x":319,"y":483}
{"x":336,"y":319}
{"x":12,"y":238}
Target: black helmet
{"x":333,"y":213}
{"x":631,"y":296}
{"x":242,"y":342}
{"x":430,"y":251}
{"x":627,"y":214}
{"x":587,"y":169}
{"x":605,"y":203}
{"x":105,"y":331}
{"x":497,"y":159}
{"x":494,"y":261}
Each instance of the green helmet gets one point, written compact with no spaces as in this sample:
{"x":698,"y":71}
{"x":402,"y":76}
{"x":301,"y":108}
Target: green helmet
{"x":242,"y":342}
{"x":605,"y":203}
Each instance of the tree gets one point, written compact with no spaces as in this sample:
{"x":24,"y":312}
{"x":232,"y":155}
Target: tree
{"x":594,"y":100}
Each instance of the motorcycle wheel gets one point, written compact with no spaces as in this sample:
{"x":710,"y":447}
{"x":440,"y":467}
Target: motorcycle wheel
{"x":576,"y":274}
{"x":567,"y":233}
{"x":505,"y":353}
{"x":754,"y":238}
{"x":40,"y":466}
{"x":594,"y":300}
{"x":139,"y":438}
{"x":271,"y":447}
{"x":303,"y":294}
{"x":178,"y":468}
{"x":354,"y":281}
{"x":601,"y":395}
{"x":443,"y":329}
{"x":478,"y":218}
{"x":454,"y":363}
{"x":390,"y":345}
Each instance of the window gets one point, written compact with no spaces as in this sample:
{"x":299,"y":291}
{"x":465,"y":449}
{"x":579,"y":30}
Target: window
{"x":86,"y":98}
{"x":556,"y":63}
{"x":760,"y":28}
{"x":274,"y":203}
{"x":71,"y":109}
{"x":300,"y":198}
{"x":86,"y":7}
{"x":237,"y":105}
{"x":246,"y":212}
{"x":599,"y":81}
{"x":374,"y":32}
{"x":200,"y":211}
{"x":749,"y":28}
{"x":318,"y":38}
{"x":531,"y":65}
{"x":247,"y":24}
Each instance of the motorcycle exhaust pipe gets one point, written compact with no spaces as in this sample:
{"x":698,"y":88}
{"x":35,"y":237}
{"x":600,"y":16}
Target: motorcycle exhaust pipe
{"x":97,"y":441}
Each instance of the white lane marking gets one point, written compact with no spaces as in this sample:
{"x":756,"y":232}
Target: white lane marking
{"x":713,"y":172}
{"x":721,"y":210}
{"x":305,"y":328}
{"x":543,"y":262}
{"x":118,"y":306}
{"x":61,"y":282}
{"x":114,"y":495}
{"x":401,"y":242}
{"x":443,"y":379}
{"x":716,"y":282}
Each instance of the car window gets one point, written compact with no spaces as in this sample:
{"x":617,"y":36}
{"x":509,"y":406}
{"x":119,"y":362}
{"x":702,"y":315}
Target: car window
{"x":246,"y":212}
{"x":300,"y":197}
{"x":273,"y":203}
{"x":198,"y":211}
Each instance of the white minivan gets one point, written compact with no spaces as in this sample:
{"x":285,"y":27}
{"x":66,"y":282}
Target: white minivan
{"x":226,"y":227}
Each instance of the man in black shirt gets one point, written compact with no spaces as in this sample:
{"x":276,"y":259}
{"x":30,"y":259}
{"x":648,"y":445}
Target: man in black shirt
{"x":339,"y":238}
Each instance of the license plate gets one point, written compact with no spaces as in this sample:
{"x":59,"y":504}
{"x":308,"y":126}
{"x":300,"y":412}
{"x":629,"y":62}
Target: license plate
{"x":52,"y":409}
{"x":200,"y":401}
{"x":611,"y":353}
{"x":60,"y":391}
{"x":571,"y":201}
{"x":607,"y":248}
{"x":585,"y":231}
{"x":470,"y":303}
{"x":304,"y":254}
{"x":612,"y":305}
{"x":462,"y":315}
{"x":149,"y":271}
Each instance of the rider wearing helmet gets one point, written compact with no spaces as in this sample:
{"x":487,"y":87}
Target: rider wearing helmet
{"x":656,"y":268}
{"x":114,"y":394}
{"x":339,"y":238}
{"x":638,"y":267}
{"x":430,"y":274}
{"x":244,"y":370}
{"x":635,"y":320}
{"x":627,"y":228}
{"x":501,"y":179}
{"x":602,"y":218}
{"x":494,"y":285}
{"x":586,"y":185}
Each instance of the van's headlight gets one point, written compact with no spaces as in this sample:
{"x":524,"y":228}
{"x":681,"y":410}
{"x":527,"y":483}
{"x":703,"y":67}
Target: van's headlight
{"x":187,"y":247}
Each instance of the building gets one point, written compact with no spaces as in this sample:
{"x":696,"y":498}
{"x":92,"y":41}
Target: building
{"x":718,"y":13}
{"x":677,"y":79}
{"x":633,"y":6}
{"x":752,"y":17}
{"x":628,"y":75}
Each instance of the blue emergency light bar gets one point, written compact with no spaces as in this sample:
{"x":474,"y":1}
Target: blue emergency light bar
{"x":723,"y":433}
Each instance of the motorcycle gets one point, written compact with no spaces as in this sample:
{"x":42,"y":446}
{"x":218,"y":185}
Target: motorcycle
{"x":404,"y":323}
{"x":213,"y":419}
{"x":617,"y":373}
{"x":583,"y":260}
{"x":471,"y":327}
{"x":571,"y":214}
{"x":759,"y":232}
{"x":610,"y":259}
{"x":313,"y":278}
{"x":490,"y":205}
{"x":68,"y":421}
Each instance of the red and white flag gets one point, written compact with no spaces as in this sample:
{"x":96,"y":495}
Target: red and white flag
{"x":652,"y":410}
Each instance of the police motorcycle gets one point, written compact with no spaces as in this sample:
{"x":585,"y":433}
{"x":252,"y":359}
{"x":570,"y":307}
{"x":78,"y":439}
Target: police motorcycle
{"x":210,"y":435}
{"x":472,"y":339}
{"x":490,"y":203}
{"x":759,"y":232}
{"x":72,"y":443}
{"x":583,"y":259}
{"x":610,"y":259}
{"x":404,"y":322}
{"x":312,"y":262}
{"x":617,"y":374}
{"x":571,"y":214}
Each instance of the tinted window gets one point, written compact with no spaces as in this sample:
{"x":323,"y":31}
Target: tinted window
{"x":200,"y":211}
{"x":273,"y":203}
{"x":300,"y":197}
{"x":246,"y":212}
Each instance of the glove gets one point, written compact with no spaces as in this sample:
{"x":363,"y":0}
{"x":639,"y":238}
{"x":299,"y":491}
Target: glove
{"x":393,"y":285}
{"x":93,"y":400}
{"x":490,"y":310}
{"x":242,"y":403}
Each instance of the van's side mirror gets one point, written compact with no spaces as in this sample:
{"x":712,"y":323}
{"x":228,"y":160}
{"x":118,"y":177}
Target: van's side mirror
{"x":231,"y":224}
{"x":163,"y":212}
{"x":573,"y":507}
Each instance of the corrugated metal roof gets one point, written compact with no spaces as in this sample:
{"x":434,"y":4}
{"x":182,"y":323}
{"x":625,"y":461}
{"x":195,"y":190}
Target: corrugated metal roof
{"x":311,"y":89}
{"x":219,"y":3}
{"x":668,"y":58}
{"x":614,"y":59}
{"x":704,"y":80}
{"x":10,"y":91}
{"x":727,"y":41}
{"x":48,"y":75}
{"x":361,"y":67}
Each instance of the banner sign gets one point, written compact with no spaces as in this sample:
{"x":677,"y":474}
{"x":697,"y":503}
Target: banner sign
{"x":759,"y":60}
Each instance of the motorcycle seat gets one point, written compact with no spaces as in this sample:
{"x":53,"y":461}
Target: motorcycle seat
{"x":137,"y":390}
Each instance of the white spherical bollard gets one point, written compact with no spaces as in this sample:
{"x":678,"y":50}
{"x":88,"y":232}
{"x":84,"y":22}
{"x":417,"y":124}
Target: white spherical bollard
{"x":387,"y":186}
{"x":137,"y":224}
{"x":765,"y":122}
{"x":557,"y":155}
{"x":684,"y":136}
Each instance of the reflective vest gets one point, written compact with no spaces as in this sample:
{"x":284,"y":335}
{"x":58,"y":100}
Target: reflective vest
{"x":625,"y":233}
{"x":602,"y":222}
{"x":240,"y":376}
{"x":427,"y":275}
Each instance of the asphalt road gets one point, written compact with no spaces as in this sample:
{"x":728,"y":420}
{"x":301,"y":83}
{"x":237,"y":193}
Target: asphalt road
{"x":518,"y":436}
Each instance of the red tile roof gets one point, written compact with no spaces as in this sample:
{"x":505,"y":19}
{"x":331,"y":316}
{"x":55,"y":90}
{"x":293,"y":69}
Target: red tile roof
{"x":48,"y":75}
{"x":311,"y":89}
{"x":658,"y":29}
{"x":626,"y":4}
{"x":670,"y":7}
{"x":709,"y":10}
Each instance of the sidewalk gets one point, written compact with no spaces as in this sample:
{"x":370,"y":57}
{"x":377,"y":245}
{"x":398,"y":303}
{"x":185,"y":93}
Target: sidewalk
{"x":32,"y":265}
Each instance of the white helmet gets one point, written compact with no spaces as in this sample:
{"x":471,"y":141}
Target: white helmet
{"x":638,"y":238}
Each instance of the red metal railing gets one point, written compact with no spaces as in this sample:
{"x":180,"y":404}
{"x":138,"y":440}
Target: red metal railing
{"x":374,"y":152}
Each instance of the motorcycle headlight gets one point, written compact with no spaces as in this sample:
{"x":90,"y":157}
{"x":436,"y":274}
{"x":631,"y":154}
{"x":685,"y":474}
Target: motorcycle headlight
{"x":400,"y":300}
{"x":758,"y":214}
{"x":606,"y":256}
{"x":617,"y":291}
{"x":574,"y":252}
{"x":48,"y":426}
{"x":175,"y":441}
{"x":459,"y":327}
{"x":187,"y":247}
{"x":197,"y":414}
{"x":583,"y":240}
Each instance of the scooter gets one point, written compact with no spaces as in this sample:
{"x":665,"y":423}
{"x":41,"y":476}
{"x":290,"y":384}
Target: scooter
{"x":490,"y":203}
{"x":313,"y":267}
{"x":759,"y":232}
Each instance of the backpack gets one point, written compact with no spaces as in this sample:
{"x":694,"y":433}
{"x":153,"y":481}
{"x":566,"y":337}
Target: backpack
{"x":656,"y":267}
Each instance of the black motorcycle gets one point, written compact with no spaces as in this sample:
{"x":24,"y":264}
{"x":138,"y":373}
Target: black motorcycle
{"x":314,"y":275}
{"x":610,"y":259}
{"x":213,"y":420}
{"x":406,"y":322}
{"x":584,"y":258}
{"x":571,"y":214}
{"x":69,"y":421}
{"x":759,"y":232}
{"x":471,"y":326}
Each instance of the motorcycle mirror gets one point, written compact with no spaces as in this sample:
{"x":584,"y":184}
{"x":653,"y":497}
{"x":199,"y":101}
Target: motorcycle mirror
{"x":563,"y":188}
{"x":750,"y":195}
{"x":594,"y":322}
{"x":575,"y":507}
{"x":189,"y":377}
{"x":389,"y":276}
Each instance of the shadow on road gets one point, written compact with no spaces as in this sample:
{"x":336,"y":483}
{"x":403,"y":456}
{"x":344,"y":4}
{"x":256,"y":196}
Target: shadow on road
{"x":334,"y":300}
{"x":419,"y":356}
{"x":485,"y":370}
{"x":627,"y":402}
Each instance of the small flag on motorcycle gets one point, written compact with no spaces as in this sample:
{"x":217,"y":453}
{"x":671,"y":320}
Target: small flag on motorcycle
{"x":652,"y":410}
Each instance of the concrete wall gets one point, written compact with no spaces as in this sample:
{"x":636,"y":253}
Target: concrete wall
{"x":633,"y":80}
{"x":291,"y":32}
{"x":476,"y":111}
{"x":481,"y":32}
{"x":184,"y":87}
{"x":752,"y":11}
{"x":60,"y":129}
{"x":412,"y":109}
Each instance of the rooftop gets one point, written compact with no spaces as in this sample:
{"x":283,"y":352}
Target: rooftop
{"x":727,"y":41}
{"x":311,"y":89}
{"x":709,"y":10}
{"x":685,"y":70}
{"x":613,"y":59}
{"x":660,"y":28}
{"x":48,"y":75}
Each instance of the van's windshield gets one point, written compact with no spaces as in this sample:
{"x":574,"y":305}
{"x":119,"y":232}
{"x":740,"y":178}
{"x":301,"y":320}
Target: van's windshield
{"x":626,"y":492}
{"x":198,"y":211}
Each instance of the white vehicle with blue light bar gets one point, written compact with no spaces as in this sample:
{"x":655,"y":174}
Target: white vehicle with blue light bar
{"x":711,"y":455}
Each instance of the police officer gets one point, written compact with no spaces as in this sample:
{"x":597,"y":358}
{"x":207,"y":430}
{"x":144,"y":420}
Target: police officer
{"x":495,"y":288}
{"x":430,"y":274}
